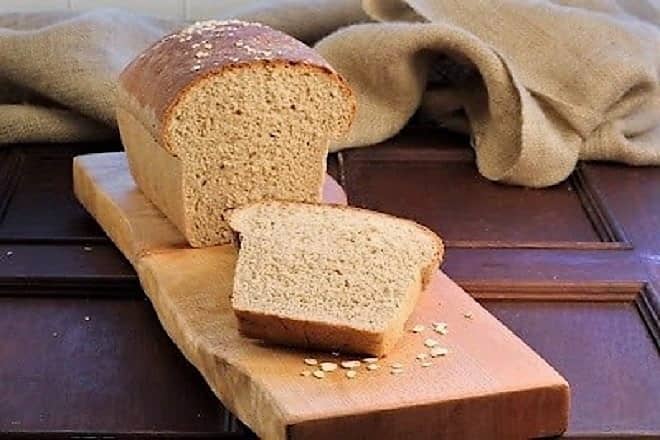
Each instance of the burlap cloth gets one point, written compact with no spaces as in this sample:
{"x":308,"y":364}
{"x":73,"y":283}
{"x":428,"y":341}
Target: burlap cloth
{"x":539,"y":84}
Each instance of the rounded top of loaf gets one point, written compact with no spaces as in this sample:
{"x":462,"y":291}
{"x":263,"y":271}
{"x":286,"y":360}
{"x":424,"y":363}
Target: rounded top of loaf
{"x":154,"y":81}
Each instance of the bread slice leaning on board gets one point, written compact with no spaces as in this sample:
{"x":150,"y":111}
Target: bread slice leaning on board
{"x":328,"y":277}
{"x":225,"y":113}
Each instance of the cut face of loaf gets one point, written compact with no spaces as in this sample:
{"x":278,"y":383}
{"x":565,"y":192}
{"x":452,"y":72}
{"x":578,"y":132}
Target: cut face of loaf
{"x":227,"y":113}
{"x":328,"y":277}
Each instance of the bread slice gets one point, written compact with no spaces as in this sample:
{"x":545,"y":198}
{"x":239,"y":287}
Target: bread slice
{"x":328,"y":277}
{"x":225,"y":113}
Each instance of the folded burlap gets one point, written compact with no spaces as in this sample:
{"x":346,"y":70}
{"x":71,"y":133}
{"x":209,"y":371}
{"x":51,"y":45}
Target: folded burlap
{"x":538,"y":84}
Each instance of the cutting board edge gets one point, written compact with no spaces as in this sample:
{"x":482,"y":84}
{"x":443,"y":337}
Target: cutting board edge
{"x":340,"y":425}
{"x":560,"y":386}
{"x":82,"y":189}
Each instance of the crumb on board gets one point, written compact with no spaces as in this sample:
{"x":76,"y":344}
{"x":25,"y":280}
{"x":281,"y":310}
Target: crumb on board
{"x":430,"y":343}
{"x":418,"y":328}
{"x":350,"y":364}
{"x":439,"y":351}
{"x":328,"y":366}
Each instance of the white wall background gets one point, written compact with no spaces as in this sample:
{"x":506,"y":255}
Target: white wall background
{"x":186,"y":9}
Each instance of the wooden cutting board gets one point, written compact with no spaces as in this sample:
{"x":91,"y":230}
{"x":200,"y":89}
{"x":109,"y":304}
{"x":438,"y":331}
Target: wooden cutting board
{"x":489,"y":385}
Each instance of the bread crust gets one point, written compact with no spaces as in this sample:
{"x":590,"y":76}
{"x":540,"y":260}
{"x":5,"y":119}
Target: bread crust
{"x":310,"y":334}
{"x":177,"y":63}
{"x":157,"y":173}
{"x":320,"y":335}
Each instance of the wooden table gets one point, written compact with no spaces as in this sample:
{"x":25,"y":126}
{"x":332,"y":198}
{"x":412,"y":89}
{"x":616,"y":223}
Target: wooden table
{"x":574,"y":270}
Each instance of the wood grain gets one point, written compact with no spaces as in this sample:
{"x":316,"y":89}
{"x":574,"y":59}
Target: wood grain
{"x":594,"y":333}
{"x":10,"y":171}
{"x":469,"y":211}
{"x":41,"y":176}
{"x":63,"y":375}
{"x":491,"y":385}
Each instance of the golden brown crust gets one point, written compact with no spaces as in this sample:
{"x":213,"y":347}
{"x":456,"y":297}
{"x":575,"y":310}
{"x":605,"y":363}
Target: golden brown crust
{"x":310,"y":334}
{"x":153,"y":83}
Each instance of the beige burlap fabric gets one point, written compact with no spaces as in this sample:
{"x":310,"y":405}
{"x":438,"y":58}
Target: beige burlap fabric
{"x":539,"y":84}
{"x":58,"y":72}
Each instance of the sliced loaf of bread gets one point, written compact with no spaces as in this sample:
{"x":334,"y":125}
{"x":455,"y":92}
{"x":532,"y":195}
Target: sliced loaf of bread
{"x":225,"y":113}
{"x":328,"y":277}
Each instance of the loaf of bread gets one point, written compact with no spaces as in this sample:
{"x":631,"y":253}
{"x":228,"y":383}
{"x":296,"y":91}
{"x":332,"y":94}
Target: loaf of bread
{"x":328,"y":277}
{"x":222,"y":114}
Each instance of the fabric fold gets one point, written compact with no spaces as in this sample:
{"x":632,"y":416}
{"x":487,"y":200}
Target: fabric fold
{"x":559,"y":80}
{"x":71,"y":60}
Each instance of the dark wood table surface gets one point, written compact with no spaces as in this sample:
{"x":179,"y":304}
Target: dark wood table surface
{"x":574,"y":270}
